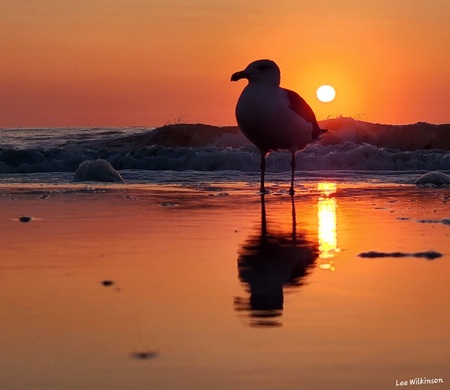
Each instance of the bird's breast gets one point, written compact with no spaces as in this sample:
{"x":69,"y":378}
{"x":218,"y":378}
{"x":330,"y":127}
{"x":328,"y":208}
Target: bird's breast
{"x":264,"y":116}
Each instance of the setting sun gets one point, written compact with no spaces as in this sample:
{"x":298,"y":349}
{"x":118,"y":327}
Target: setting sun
{"x":326,"y":93}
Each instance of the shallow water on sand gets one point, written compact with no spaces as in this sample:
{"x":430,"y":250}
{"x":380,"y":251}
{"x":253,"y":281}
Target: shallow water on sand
{"x":170,"y":287}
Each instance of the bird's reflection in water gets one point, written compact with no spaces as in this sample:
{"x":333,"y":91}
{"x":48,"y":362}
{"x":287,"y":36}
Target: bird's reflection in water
{"x":270,"y":261}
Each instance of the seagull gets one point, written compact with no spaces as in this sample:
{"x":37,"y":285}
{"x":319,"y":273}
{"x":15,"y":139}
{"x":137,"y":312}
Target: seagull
{"x":271,"y":117}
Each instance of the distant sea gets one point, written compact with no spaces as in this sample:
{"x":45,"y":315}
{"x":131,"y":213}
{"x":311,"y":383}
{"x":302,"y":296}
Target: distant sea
{"x":187,"y":153}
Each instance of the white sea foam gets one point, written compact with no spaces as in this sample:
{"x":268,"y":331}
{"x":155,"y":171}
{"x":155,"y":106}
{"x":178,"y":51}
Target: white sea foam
{"x":97,"y":170}
{"x":433,"y":178}
{"x":429,"y":255}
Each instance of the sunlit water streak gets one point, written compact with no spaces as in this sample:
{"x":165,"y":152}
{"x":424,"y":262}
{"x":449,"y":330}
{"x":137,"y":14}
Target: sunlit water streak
{"x":327,"y":224}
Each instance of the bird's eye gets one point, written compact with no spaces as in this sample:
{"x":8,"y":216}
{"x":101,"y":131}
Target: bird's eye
{"x":262,"y":67}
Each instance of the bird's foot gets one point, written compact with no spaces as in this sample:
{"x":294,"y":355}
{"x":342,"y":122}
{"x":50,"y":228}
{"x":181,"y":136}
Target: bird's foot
{"x":291,"y":191}
{"x":263,"y":191}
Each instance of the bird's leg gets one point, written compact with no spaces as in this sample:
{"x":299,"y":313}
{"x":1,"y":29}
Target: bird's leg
{"x":294,"y":220}
{"x":263,"y":217}
{"x":262,"y":165}
{"x":291,"y":190}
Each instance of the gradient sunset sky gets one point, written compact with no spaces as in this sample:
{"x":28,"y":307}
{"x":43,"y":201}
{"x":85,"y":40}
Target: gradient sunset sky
{"x":151,"y":62}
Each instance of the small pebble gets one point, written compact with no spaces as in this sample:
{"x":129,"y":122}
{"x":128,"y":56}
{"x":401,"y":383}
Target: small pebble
{"x":107,"y":282}
{"x":143,"y":355}
{"x":24,"y":218}
{"x":169,"y":204}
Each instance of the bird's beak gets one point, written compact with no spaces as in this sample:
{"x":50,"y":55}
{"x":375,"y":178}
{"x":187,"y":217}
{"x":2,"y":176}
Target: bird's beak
{"x":238,"y":75}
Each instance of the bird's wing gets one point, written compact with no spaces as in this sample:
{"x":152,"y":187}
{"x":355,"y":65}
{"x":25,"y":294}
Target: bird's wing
{"x":300,"y":107}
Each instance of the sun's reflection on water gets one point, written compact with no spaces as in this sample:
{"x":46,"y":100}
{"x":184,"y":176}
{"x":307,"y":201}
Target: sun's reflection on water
{"x":327,"y":225}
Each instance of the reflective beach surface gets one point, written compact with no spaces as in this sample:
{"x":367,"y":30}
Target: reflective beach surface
{"x":215,"y":287}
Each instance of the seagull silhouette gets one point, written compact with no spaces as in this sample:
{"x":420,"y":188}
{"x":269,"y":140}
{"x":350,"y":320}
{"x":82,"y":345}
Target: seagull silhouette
{"x":271,"y":117}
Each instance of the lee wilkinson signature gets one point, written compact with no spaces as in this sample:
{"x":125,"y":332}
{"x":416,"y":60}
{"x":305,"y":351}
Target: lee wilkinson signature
{"x":419,"y":381}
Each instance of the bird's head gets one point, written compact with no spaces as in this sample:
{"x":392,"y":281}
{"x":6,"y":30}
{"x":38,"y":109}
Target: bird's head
{"x":261,"y":71}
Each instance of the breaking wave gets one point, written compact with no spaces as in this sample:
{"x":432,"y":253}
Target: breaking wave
{"x":348,"y":145}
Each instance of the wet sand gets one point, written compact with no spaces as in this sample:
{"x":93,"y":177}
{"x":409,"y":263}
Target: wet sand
{"x":166,"y":287}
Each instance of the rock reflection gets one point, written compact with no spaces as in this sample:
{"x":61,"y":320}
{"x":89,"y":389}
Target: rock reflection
{"x":270,"y":261}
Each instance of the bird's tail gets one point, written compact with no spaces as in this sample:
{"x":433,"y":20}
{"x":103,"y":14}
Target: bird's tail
{"x":318,"y":132}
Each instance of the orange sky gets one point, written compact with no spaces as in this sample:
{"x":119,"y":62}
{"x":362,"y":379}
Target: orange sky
{"x":150,"y":62}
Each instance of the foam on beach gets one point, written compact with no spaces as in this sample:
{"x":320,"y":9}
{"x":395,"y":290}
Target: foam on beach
{"x":434,"y":178}
{"x":429,"y":255}
{"x":98,"y":170}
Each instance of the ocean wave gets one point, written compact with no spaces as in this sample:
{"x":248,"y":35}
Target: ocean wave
{"x":348,"y":145}
{"x":418,"y":136}
{"x":348,"y":156}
